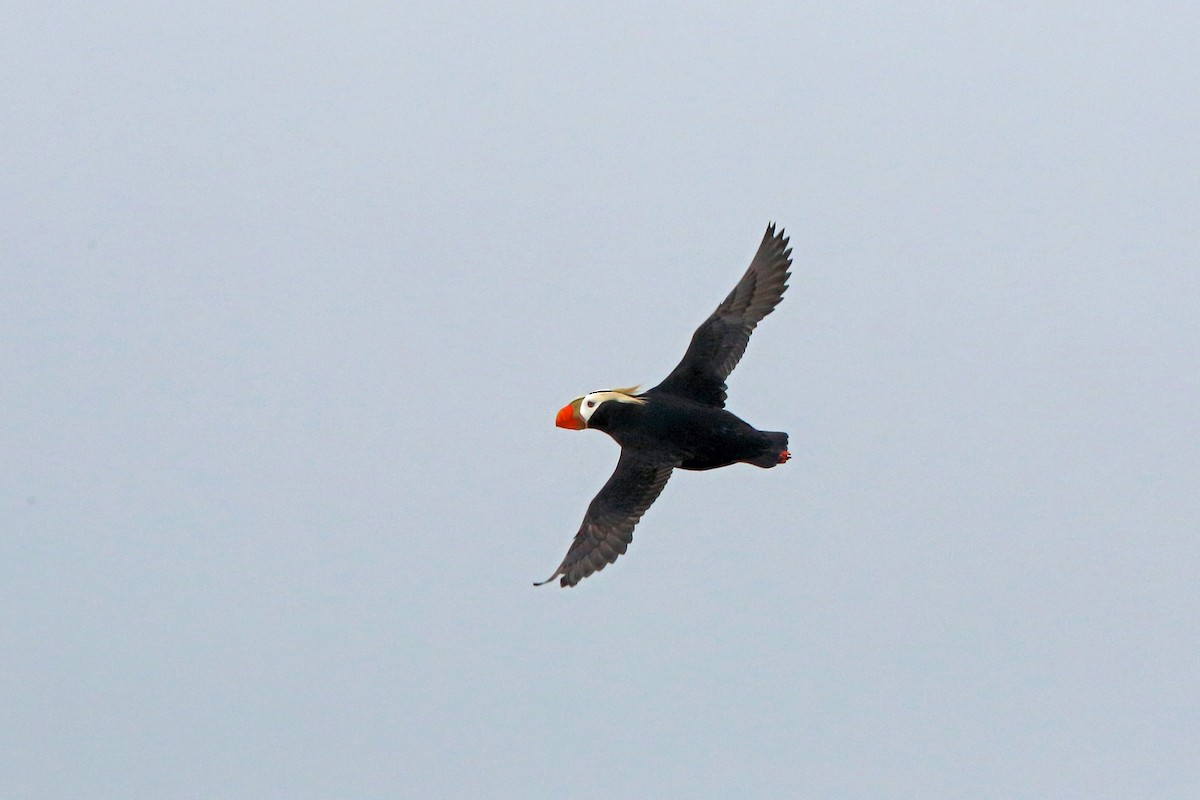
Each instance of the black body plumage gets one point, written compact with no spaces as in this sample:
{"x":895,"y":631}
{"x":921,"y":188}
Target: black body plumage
{"x":691,"y":435}
{"x":680,"y":423}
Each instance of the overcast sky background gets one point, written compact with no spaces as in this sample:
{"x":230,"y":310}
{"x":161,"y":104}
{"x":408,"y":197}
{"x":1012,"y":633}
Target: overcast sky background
{"x":291,"y":295}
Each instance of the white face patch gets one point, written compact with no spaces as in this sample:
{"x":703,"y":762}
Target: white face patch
{"x":590,"y":402}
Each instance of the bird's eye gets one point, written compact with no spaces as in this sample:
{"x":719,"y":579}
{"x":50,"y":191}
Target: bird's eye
{"x":591,"y":403}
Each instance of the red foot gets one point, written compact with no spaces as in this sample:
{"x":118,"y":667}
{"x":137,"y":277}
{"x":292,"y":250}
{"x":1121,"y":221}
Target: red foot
{"x":784,"y":456}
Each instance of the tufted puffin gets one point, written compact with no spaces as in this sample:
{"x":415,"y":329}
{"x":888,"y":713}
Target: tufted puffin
{"x":680,"y":423}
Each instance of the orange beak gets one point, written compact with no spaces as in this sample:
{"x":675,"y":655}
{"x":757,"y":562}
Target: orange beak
{"x":568,"y":417}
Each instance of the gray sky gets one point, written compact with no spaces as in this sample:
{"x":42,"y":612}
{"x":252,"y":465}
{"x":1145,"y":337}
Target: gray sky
{"x":291,"y":297}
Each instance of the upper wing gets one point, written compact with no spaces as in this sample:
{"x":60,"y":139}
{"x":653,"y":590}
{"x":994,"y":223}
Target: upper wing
{"x":718,"y":344}
{"x":607,"y":527}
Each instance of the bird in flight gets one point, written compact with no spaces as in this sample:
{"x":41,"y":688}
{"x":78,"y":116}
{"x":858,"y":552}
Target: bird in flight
{"x":680,"y":423}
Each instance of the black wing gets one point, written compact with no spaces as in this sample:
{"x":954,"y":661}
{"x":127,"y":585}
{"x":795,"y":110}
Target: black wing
{"x":718,"y":344}
{"x":607,"y":527}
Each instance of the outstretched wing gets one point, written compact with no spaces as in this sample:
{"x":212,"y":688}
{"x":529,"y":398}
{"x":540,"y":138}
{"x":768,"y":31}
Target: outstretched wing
{"x":718,"y":344}
{"x":607,"y":527}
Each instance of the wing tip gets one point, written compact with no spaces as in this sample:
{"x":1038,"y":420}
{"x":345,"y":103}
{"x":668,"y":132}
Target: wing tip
{"x":783,"y":242}
{"x":564,"y":579}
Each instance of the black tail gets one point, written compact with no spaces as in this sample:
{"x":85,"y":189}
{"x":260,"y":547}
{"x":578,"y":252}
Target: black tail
{"x":776,"y":451}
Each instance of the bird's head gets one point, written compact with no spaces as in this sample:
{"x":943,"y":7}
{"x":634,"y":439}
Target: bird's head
{"x":576,"y":414}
